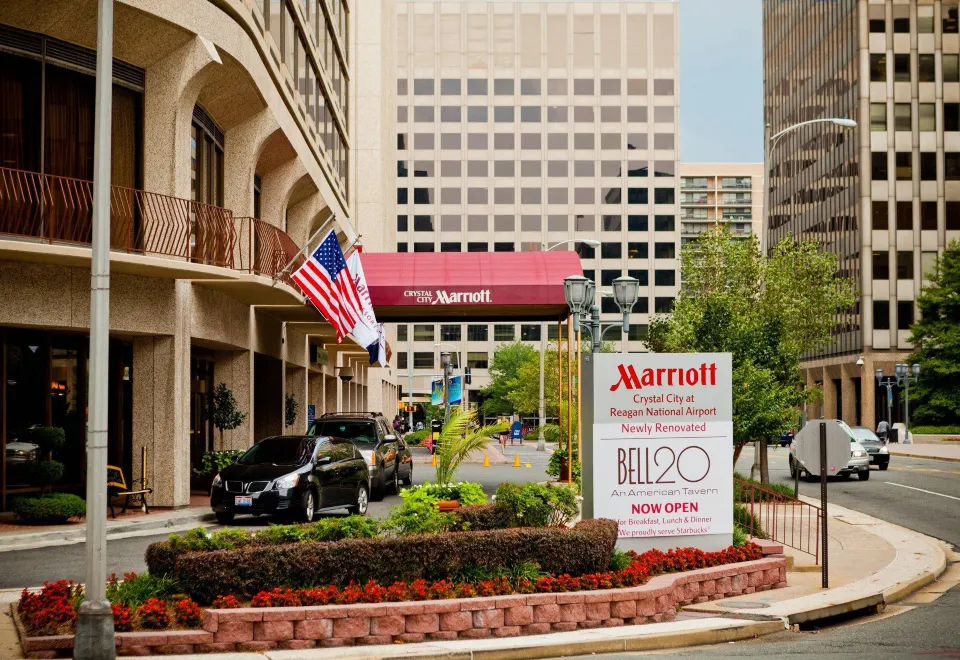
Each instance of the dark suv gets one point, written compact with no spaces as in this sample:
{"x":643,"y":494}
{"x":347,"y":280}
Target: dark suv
{"x":388,"y":459}
{"x":298,"y":475}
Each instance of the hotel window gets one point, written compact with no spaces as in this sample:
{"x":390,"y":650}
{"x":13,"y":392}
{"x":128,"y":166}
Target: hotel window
{"x":905,"y":265}
{"x":423,"y":196}
{"x":479,"y":168}
{"x":663,"y":305}
{"x":585,"y":223}
{"x":637,"y":332}
{"x":476,"y":87}
{"x":423,"y":333}
{"x":612,"y":223}
{"x":951,"y":68}
{"x":583,"y":113}
{"x":423,"y":247}
{"x":530,"y":332}
{"x":608,"y":276}
{"x":881,"y":265}
{"x":450,"y":87}
{"x":951,"y":166}
{"x":901,"y":68}
{"x":664,"y":196}
{"x":504,"y":247}
{"x":449,"y":333}
{"x":951,"y":116}
{"x":401,"y":359}
{"x":878,"y":165}
{"x":450,"y":113}
{"x":477,"y":360}
{"x":949,"y":19}
{"x":637,"y":196}
{"x":878,"y":68}
{"x":904,"y":162}
{"x":637,"y":168}
{"x":423,"y":360}
{"x":880,"y":215}
{"x":502,"y":114}
{"x":901,"y":19}
{"x":928,"y":166}
{"x":529,"y":87}
{"x":951,"y":216}
{"x":664,"y":251}
{"x":423,"y":87}
{"x":637,"y":250}
{"x":402,"y":332}
{"x":477,"y":247}
{"x":530,"y":223}
{"x":402,"y":223}
{"x":503,"y":87}
{"x":881,"y":314}
{"x":504,"y":332}
{"x":206,"y":151}
{"x":904,"y":314}
{"x":905,"y":215}
{"x":450,"y":168}
{"x":637,"y":223}
{"x":664,"y":223}
{"x":901,"y":116}
{"x":450,"y":247}
{"x":402,"y":247}
{"x":665,"y":278}
{"x":928,"y":216}
{"x":477,"y":332}
{"x":878,"y":117}
{"x":927,"y":116}
{"x":926,"y":68}
{"x":641,"y":276}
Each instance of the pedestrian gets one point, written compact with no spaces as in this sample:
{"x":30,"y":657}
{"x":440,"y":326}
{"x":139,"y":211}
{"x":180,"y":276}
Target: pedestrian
{"x":883,"y":429}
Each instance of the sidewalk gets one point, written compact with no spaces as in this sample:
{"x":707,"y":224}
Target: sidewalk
{"x":944,"y":451}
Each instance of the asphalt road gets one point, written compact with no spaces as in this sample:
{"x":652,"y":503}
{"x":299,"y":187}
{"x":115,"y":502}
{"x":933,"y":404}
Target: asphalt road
{"x":919,"y":494}
{"x":23,"y":568}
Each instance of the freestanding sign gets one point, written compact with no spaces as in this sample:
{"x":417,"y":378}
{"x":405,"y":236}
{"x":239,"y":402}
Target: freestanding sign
{"x":661,"y":452}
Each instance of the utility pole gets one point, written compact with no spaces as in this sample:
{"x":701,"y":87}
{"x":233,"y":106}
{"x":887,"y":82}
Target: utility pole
{"x":95,"y":637}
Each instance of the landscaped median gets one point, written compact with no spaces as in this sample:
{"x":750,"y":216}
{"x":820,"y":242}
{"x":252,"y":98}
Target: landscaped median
{"x":508,"y":569}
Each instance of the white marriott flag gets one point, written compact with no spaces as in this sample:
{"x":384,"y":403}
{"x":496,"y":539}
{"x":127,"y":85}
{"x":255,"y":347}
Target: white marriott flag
{"x":367,"y":330}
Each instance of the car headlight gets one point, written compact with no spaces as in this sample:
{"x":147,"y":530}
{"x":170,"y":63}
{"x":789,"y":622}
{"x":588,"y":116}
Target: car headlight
{"x":217,"y":480}
{"x":858,"y":454}
{"x":289,"y":481}
{"x":369,"y":459}
{"x":883,"y":450}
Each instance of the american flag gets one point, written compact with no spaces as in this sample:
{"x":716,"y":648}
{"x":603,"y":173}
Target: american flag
{"x":325,"y":279}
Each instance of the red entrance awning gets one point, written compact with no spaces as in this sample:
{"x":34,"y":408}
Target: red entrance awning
{"x":471,"y":286}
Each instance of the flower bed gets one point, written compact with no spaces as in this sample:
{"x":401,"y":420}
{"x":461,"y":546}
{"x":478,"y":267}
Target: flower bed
{"x":442,"y":610}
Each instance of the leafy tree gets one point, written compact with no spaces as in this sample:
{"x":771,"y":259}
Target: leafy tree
{"x":507,"y":360}
{"x":226,"y":414}
{"x":460,"y":437}
{"x":935,"y":399}
{"x":766,"y":312}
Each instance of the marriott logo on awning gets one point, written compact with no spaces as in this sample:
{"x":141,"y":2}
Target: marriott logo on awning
{"x":461,"y":297}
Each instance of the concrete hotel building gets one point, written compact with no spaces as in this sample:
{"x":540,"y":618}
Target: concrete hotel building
{"x":884,"y":197}
{"x":721,"y":193}
{"x":233,"y":140}
{"x":524,"y":124}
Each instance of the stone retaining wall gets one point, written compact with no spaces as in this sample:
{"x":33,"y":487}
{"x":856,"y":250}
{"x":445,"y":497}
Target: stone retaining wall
{"x":259,"y":629}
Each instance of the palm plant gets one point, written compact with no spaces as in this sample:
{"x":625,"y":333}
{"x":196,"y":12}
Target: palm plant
{"x":458,"y":438}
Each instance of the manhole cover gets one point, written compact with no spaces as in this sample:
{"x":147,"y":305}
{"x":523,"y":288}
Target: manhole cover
{"x":745,"y":605}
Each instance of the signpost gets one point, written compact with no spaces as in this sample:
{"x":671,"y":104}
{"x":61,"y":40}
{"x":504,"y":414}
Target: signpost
{"x":658,"y":447}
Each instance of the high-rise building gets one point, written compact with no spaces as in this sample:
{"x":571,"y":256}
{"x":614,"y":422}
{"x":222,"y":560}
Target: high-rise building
{"x":885,"y":196}
{"x":235,"y":136}
{"x":729,"y":194}
{"x":523,"y":125}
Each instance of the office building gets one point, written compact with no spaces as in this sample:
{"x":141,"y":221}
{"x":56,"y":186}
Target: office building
{"x":885,"y":196}
{"x":234,"y":127}
{"x":730,"y":194}
{"x":521,"y":125}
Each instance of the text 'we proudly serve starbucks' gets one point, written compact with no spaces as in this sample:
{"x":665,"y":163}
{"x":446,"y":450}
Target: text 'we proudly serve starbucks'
{"x":663,"y":444}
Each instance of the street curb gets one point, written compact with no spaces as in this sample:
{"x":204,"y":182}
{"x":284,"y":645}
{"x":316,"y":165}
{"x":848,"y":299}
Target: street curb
{"x":33,"y":540}
{"x":948,"y":459}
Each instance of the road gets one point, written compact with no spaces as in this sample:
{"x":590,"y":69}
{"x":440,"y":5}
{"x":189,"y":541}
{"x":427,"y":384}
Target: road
{"x":920,"y":494}
{"x":24,"y":568}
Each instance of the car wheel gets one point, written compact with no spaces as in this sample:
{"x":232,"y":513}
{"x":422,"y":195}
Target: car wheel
{"x":884,"y":466}
{"x":793,"y":469}
{"x":308,"y":506}
{"x":864,"y":474}
{"x":408,"y":480}
{"x":396,"y":480}
{"x":225,"y":517}
{"x":359,"y":507}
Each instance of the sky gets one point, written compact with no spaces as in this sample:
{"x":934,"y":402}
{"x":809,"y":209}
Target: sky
{"x":721,"y":81}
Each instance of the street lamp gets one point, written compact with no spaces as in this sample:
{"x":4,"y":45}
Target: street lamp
{"x":445,"y":363}
{"x":541,"y":440}
{"x":625,"y":292}
{"x":769,"y":142}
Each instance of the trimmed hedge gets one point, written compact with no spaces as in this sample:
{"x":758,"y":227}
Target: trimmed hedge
{"x":57,"y":507}
{"x":585,"y":548}
{"x":935,"y":430}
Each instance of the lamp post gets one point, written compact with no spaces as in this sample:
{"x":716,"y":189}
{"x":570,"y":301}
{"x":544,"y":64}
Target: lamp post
{"x":445,"y":363}
{"x":888,"y":382}
{"x":463,"y":388}
{"x":903,"y":375}
{"x":541,"y":440}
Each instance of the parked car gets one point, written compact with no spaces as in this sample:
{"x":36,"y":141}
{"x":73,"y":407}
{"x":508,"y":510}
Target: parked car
{"x":876,"y":448}
{"x":388,"y":459}
{"x":786,"y":438}
{"x":20,"y":453}
{"x":294,"y":475}
{"x":805,"y":452}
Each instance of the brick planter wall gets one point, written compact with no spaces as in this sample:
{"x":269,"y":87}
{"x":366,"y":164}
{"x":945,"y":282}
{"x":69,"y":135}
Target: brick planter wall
{"x":259,"y":629}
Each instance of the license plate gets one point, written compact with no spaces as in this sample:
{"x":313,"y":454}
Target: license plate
{"x":243,"y":500}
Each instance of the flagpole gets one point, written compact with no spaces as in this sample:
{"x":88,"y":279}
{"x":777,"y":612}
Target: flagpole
{"x":306,"y":245}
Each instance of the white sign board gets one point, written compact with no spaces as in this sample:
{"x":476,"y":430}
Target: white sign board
{"x":663,"y":444}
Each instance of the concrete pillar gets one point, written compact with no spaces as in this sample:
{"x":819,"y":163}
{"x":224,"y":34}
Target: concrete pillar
{"x":315,"y":391}
{"x":868,"y":394}
{"x":235,"y":369}
{"x":814,"y":406}
{"x":296,"y":385}
{"x":241,"y":151}
{"x":161,"y":407}
{"x":848,"y":393}
{"x":172,"y":87}
{"x":332,"y":391}
{"x":829,"y":395}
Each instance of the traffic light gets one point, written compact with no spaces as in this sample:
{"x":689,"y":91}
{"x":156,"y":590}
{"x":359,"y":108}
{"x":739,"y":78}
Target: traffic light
{"x":467,"y":378}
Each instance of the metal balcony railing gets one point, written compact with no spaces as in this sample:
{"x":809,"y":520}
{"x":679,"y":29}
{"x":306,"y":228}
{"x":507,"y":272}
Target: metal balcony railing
{"x":55,"y":209}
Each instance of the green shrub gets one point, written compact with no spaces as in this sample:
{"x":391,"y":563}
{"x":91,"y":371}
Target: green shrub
{"x":746,"y":520}
{"x":50,"y":438}
{"x":466,"y":492}
{"x":482,"y":518}
{"x":134,"y":589}
{"x":416,"y":438}
{"x":47,"y":473}
{"x":55,"y":508}
{"x":537,"y":505}
{"x":936,"y":430}
{"x":419,"y":514}
{"x":619,"y":560}
{"x":585,"y":548}
{"x":740,"y":536}
{"x":741,"y":495}
{"x":560,"y":453}
{"x":214,"y":462}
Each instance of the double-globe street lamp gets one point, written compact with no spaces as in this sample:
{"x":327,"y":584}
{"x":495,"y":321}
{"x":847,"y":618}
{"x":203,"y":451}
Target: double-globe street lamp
{"x":903,"y":375}
{"x":541,"y":439}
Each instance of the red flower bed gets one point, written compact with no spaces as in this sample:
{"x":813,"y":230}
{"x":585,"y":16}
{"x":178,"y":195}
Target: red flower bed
{"x":641,"y":568}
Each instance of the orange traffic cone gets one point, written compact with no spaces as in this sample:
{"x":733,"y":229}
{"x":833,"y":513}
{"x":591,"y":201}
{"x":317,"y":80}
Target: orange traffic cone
{"x":433,"y":463}
{"x":486,"y":461}
{"x":516,"y":461}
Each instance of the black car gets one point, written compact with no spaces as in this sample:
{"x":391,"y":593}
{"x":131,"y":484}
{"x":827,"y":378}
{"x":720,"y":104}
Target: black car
{"x":876,"y":448}
{"x":388,"y":460}
{"x":296,"y":475}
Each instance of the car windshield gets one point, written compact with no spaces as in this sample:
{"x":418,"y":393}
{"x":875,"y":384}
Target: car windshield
{"x":279,"y":451}
{"x":865,"y":434}
{"x":358,"y":431}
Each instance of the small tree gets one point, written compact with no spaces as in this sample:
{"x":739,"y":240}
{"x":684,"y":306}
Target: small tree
{"x":290,"y":409}
{"x":226,"y":416}
{"x":935,"y":399}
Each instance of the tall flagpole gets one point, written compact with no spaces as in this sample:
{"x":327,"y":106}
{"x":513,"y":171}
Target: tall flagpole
{"x":95,"y":638}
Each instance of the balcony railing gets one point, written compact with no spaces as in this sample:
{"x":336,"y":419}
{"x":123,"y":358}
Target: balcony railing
{"x":59,"y":210}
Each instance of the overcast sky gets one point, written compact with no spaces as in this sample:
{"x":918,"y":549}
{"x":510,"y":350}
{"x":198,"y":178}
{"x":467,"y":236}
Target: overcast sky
{"x":721,"y":81}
